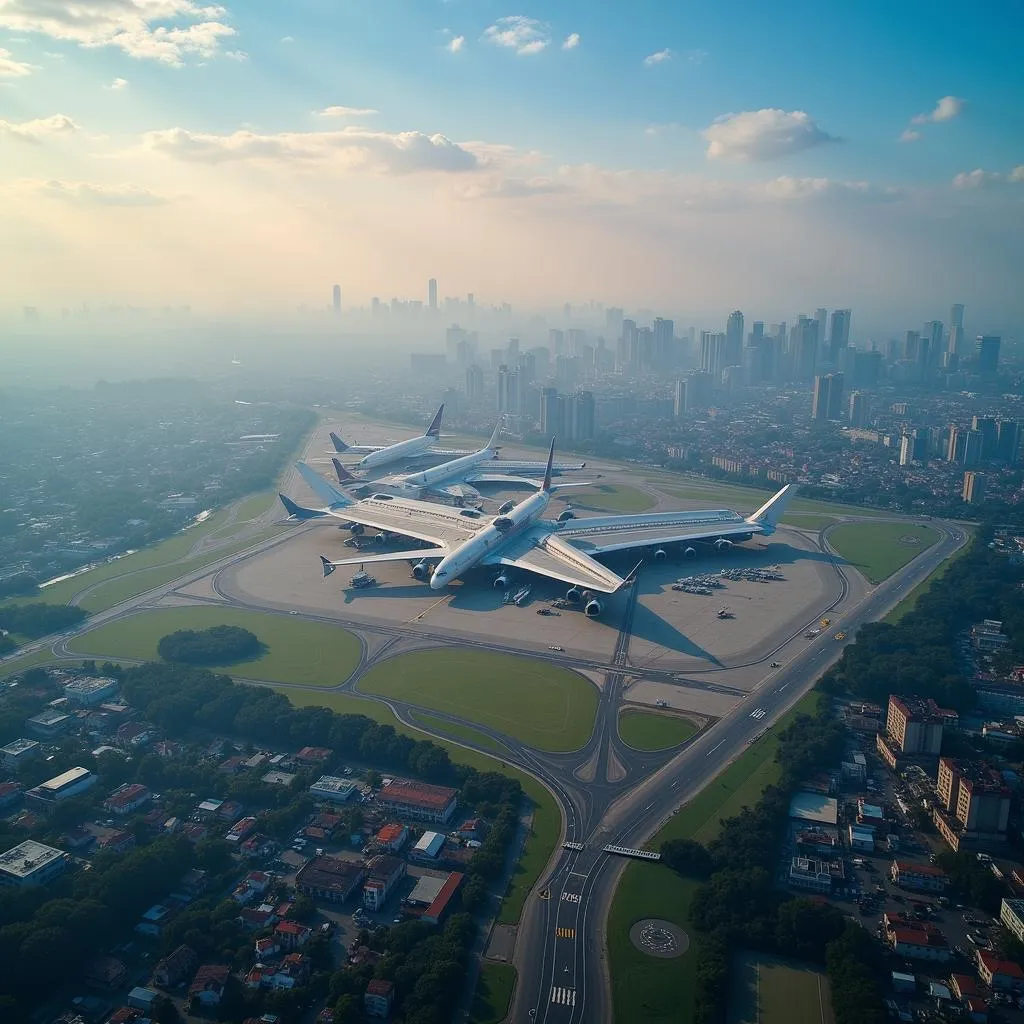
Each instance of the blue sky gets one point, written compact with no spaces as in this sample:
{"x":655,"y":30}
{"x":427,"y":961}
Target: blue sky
{"x":899,"y":97}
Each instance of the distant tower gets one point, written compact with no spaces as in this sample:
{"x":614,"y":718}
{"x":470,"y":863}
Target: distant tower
{"x":828,"y":397}
{"x":838,"y":335}
{"x":336,"y":299}
{"x":988,"y":354}
{"x":432,"y":293}
{"x":974,"y":487}
{"x":858,"y":409}
{"x":474,"y":383}
{"x":821,"y":315}
{"x":956,"y":329}
{"x":734,"y":339}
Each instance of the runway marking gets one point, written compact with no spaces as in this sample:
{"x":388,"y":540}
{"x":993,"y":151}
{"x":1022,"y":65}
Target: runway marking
{"x":563,"y":996}
{"x":429,"y":608}
{"x":714,"y":748}
{"x":578,"y":874}
{"x":759,"y":713}
{"x":571,"y":897}
{"x":565,"y":933}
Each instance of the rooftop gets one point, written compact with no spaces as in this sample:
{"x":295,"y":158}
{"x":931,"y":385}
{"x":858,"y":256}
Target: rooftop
{"x":427,"y":889}
{"x":814,"y":807}
{"x":68,"y":778}
{"x":333,"y":784}
{"x":379,"y":987}
{"x":19,"y":746}
{"x":418,"y":794}
{"x":27,"y":857}
{"x":921,"y":709}
{"x":910,"y":867}
{"x":330,"y":873}
{"x":977,"y":776}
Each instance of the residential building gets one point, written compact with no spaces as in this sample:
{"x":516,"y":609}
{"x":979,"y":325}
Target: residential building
{"x":379,"y":996}
{"x":919,"y":877}
{"x":828,"y":397}
{"x":117,"y":841}
{"x":383,"y":873}
{"x":915,"y":940}
{"x":31,"y":863}
{"x":10,"y":793}
{"x":176,"y":967}
{"x":1011,"y":913}
{"x":862,"y":839}
{"x":241,"y":829}
{"x":419,"y":800}
{"x":974,"y":487}
{"x":105,"y":972}
{"x":815,"y":874}
{"x":975,"y":802}
{"x":291,"y":972}
{"x":143,"y":999}
{"x":988,"y":346}
{"x":87,"y":691}
{"x":392,"y":838}
{"x":19,"y":752}
{"x":914,"y":725}
{"x":61,"y":787}
{"x":988,"y":636}
{"x":314,"y":755}
{"x":336,"y":790}
{"x":208,"y":985}
{"x":290,"y":935}
{"x":48,"y":724}
{"x":330,"y":878}
{"x":1004,"y":975}
{"x":127,"y":798}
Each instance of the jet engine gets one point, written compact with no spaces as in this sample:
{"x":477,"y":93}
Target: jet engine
{"x":505,"y":507}
{"x":421,"y":570}
{"x":722,"y":544}
{"x":564,"y":517}
{"x":689,"y":553}
{"x":573,"y":595}
{"x":503,"y":524}
{"x":592,"y":608}
{"x":356,"y":529}
{"x":501,"y":582}
{"x":382,"y":537}
{"x":660,"y":555}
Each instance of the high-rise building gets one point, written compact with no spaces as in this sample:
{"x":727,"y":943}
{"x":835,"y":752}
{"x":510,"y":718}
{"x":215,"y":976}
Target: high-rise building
{"x":474,"y":383}
{"x":734,"y":339}
{"x":509,"y":392}
{"x":954,"y":346}
{"x":988,"y":427}
{"x":552,"y":419}
{"x":613,"y":321}
{"x":956,"y":315}
{"x":974,"y":487}
{"x":975,"y":794}
{"x":922,"y":444}
{"x":858,"y":411}
{"x":1008,"y":441}
{"x":988,"y":354}
{"x":336,"y":299}
{"x":679,"y":406}
{"x":664,"y":343}
{"x":914,"y":725}
{"x":838,"y":334}
{"x":432,"y":294}
{"x":828,"y":397}
{"x":581,"y":416}
{"x":713,"y":348}
{"x":906,"y":450}
{"x":964,"y":447}
{"x":911,"y":346}
{"x":693,"y":393}
{"x":803,"y":343}
{"x":821,"y":316}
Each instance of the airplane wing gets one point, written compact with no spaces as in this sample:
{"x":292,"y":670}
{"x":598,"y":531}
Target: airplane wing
{"x":538,"y":468}
{"x":539,"y":550}
{"x":432,"y":450}
{"x":330,"y":564}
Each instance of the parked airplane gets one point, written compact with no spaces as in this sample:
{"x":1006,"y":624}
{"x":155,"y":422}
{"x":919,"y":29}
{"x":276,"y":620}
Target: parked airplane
{"x":453,"y":479}
{"x":411,"y":448}
{"x":518,"y":537}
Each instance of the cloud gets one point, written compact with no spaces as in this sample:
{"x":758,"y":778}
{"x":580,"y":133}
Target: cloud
{"x":39,"y":129}
{"x":163,"y":30}
{"x":763,"y":135}
{"x":909,"y":135}
{"x":658,"y":58}
{"x":11,"y":68}
{"x":945,"y":110}
{"x":695,"y":56}
{"x":85,"y":194}
{"x":346,"y":112}
{"x":456,"y":44}
{"x":524,"y":35}
{"x":352,"y":147}
{"x":1017,"y":174}
{"x":572,"y":40}
{"x":979,"y":178}
{"x":287,"y":39}
{"x":118,"y":84}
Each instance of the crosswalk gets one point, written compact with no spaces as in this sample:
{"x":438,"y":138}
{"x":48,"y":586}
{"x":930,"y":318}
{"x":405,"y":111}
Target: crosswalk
{"x":759,"y":713}
{"x":571,"y":897}
{"x":565,"y":933}
{"x":563,"y":996}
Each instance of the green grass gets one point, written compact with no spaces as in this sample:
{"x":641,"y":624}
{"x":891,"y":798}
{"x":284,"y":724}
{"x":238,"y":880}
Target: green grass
{"x":770,"y":990}
{"x":808,"y":520}
{"x":466,"y":733}
{"x":297,"y":651}
{"x":878,"y":550}
{"x":254,"y":506}
{"x":645,"y":730}
{"x":539,"y":704}
{"x":910,"y":601}
{"x":646,"y":990}
{"x":611,"y":498}
{"x":547,"y":821}
{"x":44,"y":657}
{"x":493,"y":993}
{"x":749,"y":498}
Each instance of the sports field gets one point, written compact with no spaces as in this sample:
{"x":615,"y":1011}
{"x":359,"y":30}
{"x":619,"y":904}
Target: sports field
{"x":537,"y":703}
{"x":645,"y":730}
{"x":493,"y":993}
{"x":297,"y":651}
{"x":877,"y":550}
{"x":769,"y":990}
{"x":611,"y":498}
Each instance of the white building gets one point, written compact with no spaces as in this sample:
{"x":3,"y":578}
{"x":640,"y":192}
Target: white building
{"x":18,"y":753}
{"x":87,"y":690}
{"x":63,"y":786}
{"x":330,"y":787}
{"x":31,"y":863}
{"x":1011,"y":913}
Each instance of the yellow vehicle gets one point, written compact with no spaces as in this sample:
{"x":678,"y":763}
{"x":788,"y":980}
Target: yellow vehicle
{"x":824,"y":623}
{"x":840,"y":636}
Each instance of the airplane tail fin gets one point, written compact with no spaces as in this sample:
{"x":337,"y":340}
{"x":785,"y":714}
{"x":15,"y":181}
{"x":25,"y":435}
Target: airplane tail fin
{"x":769,"y":514}
{"x":547,"y":472}
{"x":326,"y":492}
{"x":493,"y":443}
{"x":434,"y":430}
{"x":296,"y":511}
{"x":344,"y":476}
{"x":328,"y":568}
{"x":339,"y":445}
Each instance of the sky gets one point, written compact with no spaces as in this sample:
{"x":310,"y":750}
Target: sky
{"x":700,"y":155}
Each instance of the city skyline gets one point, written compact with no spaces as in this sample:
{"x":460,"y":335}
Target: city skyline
{"x":236,"y":159}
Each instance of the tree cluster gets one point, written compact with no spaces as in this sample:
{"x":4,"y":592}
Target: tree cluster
{"x":218,"y":645}
{"x":38,"y":619}
{"x":19,"y":584}
{"x":972,"y":881}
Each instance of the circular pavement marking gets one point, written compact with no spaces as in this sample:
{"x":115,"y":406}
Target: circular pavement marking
{"x":909,"y":540}
{"x":659,"y":938}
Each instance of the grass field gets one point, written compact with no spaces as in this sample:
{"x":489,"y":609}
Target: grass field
{"x":611,"y":498}
{"x":770,"y":990}
{"x":651,"y":890}
{"x":910,"y":601}
{"x":878,"y":550}
{"x":746,"y":499}
{"x":538,"y":703}
{"x":493,"y":993}
{"x":645,"y":730}
{"x":296,"y":651}
{"x":547,"y":821}
{"x":466,"y":733}
{"x":808,"y":520}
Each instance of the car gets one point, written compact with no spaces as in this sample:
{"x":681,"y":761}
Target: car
{"x":555,"y":647}
{"x":776,"y":664}
{"x":840,"y":636}
{"x":396,"y":920}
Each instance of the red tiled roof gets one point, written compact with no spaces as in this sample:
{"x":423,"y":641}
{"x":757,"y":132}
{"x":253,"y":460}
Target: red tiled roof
{"x":417,"y":794}
{"x":964,"y":984}
{"x":1005,"y":967}
{"x":906,"y":867}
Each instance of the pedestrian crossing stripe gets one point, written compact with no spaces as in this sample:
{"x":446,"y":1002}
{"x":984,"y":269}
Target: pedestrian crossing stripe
{"x":571,"y":897}
{"x":563,"y":996}
{"x":759,"y":713}
{"x":565,"y":933}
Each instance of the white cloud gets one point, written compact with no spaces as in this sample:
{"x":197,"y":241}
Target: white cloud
{"x":516,"y":32}
{"x":85,"y":194}
{"x":659,"y":57}
{"x":572,"y":40}
{"x":351,"y":147}
{"x":346,"y":112}
{"x":287,"y":39}
{"x":1017,"y":174}
{"x":39,"y":129}
{"x":11,"y":68}
{"x":456,"y":44}
{"x":145,"y":29}
{"x":909,"y":135}
{"x":945,"y":110}
{"x":695,"y":56}
{"x":977,"y":178}
{"x":118,"y":84}
{"x":762,"y":135}
{"x":663,"y":128}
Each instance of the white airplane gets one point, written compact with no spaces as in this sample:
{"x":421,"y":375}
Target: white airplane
{"x":453,"y":479}
{"x":411,"y":448}
{"x":519,"y":537}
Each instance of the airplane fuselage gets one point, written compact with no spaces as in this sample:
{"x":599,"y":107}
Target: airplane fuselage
{"x":402,"y":450}
{"x":502,"y":529}
{"x":448,"y":470}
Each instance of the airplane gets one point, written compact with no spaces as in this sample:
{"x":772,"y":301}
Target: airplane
{"x":453,"y":479}
{"x":518,"y":537}
{"x":410,"y":448}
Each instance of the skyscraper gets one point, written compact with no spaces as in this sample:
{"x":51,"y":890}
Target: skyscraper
{"x":336,"y":299}
{"x":551,"y":413}
{"x":906,"y":450}
{"x":858,"y":409}
{"x":1008,"y":442}
{"x":974,"y":487}
{"x":679,"y":406}
{"x":838,"y":334}
{"x":803,"y":343}
{"x":821,"y":315}
{"x":613,"y":320}
{"x":828,"y":397}
{"x":474,"y":383}
{"x":956,"y":329}
{"x":988,"y":354}
{"x":664,"y":343}
{"x":713,"y":347}
{"x":581,"y":416}
{"x":734,"y":339}
{"x":432,"y":293}
{"x":989,"y":430}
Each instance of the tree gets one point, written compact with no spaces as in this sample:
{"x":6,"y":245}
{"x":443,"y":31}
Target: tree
{"x":687,"y":857}
{"x":218,"y":645}
{"x":373,"y":779}
{"x":303,"y":909}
